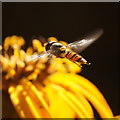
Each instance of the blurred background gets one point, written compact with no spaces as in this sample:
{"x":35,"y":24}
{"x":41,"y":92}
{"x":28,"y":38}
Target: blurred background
{"x":68,"y":22}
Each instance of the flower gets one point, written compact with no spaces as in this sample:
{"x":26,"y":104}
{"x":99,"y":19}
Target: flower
{"x":47,"y":88}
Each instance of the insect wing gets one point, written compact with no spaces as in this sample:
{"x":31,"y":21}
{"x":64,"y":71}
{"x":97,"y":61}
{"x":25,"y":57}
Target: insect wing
{"x":39,"y":56}
{"x":85,"y":41}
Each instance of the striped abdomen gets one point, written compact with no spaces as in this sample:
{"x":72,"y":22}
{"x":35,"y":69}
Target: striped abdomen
{"x":74,"y":57}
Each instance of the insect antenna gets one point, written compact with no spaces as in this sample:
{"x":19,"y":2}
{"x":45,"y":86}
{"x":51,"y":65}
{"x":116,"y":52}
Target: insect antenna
{"x":77,"y":64}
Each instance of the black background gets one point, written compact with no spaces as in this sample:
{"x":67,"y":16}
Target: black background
{"x":68,"y":21}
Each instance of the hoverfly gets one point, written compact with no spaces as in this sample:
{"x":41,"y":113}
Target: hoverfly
{"x":70,"y":51}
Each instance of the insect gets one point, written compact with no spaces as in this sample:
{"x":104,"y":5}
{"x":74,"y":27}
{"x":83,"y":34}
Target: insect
{"x":70,"y":51}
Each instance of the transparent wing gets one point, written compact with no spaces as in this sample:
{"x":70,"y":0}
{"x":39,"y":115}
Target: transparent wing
{"x":38,"y":56}
{"x":85,"y":41}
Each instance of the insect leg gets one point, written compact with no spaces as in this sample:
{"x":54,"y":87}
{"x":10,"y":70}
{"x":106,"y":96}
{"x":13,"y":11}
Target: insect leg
{"x":77,"y":64}
{"x":49,"y":56}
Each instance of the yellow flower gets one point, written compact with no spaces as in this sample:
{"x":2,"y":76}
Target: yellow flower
{"x":47,"y":88}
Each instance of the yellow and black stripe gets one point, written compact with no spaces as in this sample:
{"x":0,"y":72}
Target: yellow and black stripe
{"x":73,"y":56}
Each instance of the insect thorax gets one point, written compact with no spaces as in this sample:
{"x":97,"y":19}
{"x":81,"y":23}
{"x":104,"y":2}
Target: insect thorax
{"x":58,"y":49}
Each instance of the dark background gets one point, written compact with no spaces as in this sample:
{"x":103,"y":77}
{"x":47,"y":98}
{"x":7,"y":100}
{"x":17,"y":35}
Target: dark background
{"x":68,"y":21}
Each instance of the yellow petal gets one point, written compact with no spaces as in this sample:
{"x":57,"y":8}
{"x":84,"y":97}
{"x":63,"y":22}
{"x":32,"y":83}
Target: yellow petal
{"x":28,"y":102}
{"x":58,"y":106}
{"x":84,"y":87}
{"x":79,"y":108}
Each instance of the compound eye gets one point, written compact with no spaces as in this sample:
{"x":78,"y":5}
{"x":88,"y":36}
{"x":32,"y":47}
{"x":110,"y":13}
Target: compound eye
{"x":57,"y":45}
{"x":47,"y":47}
